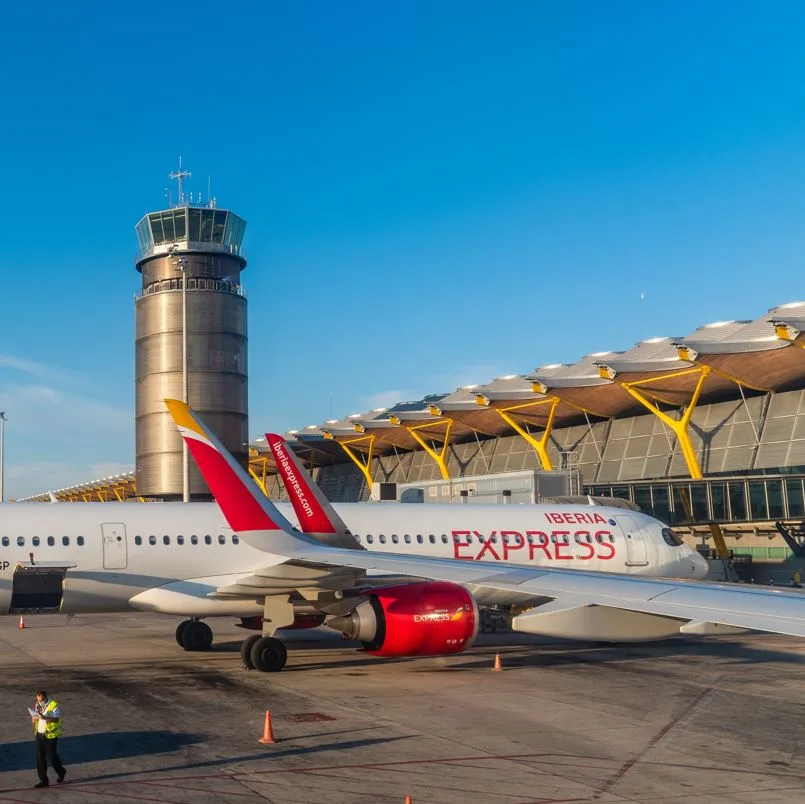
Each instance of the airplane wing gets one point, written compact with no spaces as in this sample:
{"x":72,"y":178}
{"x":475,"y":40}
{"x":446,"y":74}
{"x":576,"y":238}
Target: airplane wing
{"x":692,"y":603}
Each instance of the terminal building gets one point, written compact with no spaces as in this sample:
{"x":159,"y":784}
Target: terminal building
{"x":698,"y":430}
{"x":705,"y":431}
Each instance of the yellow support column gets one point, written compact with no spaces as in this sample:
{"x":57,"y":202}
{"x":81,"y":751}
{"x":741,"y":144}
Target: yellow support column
{"x":540,"y":445}
{"x":440,"y":456}
{"x":261,"y":481}
{"x":678,"y":426}
{"x":364,"y":466}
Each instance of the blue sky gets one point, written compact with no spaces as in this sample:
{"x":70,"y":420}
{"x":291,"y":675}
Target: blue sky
{"x":436,"y":193}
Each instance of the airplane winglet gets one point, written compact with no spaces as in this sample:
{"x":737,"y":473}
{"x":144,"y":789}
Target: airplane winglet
{"x":315,"y":512}
{"x":245,"y":507}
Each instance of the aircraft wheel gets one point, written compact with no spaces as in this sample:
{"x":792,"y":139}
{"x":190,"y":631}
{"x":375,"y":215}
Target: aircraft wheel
{"x":246,"y":651}
{"x":180,"y":632}
{"x":268,"y":655}
{"x":197,"y":636}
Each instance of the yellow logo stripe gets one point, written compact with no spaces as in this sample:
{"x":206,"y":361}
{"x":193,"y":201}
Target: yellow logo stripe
{"x":183,"y":416}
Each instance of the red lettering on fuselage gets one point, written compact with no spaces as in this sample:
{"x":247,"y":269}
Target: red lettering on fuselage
{"x":508,"y":547}
{"x":606,"y":546}
{"x":559,"y":537}
{"x":556,"y":546}
{"x":488,"y":547}
{"x":459,"y":542}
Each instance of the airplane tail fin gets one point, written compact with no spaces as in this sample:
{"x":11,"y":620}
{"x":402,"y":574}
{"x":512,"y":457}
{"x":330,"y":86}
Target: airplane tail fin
{"x":316,"y":514}
{"x":247,"y":510}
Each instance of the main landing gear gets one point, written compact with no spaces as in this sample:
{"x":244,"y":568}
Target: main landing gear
{"x":263,"y":653}
{"x":194,"y":635}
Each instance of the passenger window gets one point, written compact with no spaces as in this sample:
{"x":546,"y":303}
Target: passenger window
{"x":166,"y":540}
{"x":235,"y":539}
{"x":152,"y":540}
{"x":432,"y":539}
{"x":80,"y":541}
{"x":221,"y":539}
{"x":65,"y":540}
{"x":494,"y":540}
{"x":382,"y":539}
{"x":407,"y":539}
{"x":395,"y":538}
{"x":611,"y":538}
{"x":444,"y":539}
{"x":599,"y":538}
{"x":194,"y":539}
{"x":419,"y":539}
{"x":138,"y":540}
{"x":370,"y":539}
{"x":208,"y":539}
{"x":180,"y":540}
{"x":51,"y":541}
{"x":5,"y":541}
{"x":20,"y":541}
{"x":456,"y":539}
{"x":35,"y":541}
{"x":553,"y":538}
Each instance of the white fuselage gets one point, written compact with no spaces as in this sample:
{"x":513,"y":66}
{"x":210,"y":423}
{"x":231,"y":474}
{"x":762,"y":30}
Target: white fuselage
{"x":109,"y":553}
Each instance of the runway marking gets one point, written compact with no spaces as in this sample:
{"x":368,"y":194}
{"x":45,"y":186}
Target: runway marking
{"x":629,"y":764}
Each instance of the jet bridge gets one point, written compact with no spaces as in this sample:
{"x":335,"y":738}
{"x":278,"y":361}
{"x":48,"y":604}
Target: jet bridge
{"x":38,"y":588}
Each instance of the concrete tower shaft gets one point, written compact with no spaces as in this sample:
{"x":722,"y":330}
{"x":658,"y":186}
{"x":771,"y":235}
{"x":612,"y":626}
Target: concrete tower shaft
{"x":195,"y":252}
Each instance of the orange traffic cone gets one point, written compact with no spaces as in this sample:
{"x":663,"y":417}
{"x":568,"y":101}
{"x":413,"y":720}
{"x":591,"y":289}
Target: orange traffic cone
{"x":268,"y":732}
{"x":22,"y":622}
{"x":498,"y":666}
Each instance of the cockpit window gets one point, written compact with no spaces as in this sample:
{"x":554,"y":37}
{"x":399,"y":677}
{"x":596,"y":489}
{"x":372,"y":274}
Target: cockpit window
{"x":671,"y":537}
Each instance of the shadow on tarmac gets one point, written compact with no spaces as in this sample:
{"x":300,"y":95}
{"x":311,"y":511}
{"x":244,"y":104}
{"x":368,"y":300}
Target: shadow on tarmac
{"x":98,"y":747}
{"x":570,"y":653}
{"x":263,"y":754}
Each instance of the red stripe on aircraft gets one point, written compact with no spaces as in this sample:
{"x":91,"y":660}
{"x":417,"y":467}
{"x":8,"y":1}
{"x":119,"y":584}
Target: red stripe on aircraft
{"x":310,"y":513}
{"x":240,"y":507}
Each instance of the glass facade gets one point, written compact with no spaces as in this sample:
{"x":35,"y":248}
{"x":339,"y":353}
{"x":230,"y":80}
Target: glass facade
{"x":191,"y":224}
{"x":682,"y":502}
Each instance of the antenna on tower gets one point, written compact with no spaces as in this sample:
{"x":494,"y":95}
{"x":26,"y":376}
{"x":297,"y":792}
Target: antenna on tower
{"x":209,"y":194}
{"x":179,"y":175}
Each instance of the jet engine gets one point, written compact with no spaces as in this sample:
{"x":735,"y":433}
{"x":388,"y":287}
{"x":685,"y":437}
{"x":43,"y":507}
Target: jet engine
{"x":416,"y":619}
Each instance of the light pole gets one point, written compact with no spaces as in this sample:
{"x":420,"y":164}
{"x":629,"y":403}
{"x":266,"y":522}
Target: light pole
{"x":2,"y":453}
{"x":182,"y":265}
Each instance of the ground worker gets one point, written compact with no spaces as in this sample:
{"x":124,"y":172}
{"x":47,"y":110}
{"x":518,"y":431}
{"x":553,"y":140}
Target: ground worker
{"x":46,"y":719}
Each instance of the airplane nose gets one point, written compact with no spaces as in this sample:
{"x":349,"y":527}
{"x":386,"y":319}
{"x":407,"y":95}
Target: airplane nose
{"x":699,"y":565}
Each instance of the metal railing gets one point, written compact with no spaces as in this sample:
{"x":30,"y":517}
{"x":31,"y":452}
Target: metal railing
{"x":193,"y":283}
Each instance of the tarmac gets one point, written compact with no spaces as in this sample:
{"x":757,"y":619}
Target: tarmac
{"x":689,"y":720}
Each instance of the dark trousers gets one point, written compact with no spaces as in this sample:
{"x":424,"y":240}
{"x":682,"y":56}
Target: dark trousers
{"x":46,"y":751}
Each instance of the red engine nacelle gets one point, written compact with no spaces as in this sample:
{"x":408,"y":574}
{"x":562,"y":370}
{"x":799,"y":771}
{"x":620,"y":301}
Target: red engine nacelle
{"x":417,"y":619}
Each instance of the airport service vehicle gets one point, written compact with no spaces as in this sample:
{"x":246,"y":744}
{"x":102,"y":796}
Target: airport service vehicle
{"x":432,"y":610}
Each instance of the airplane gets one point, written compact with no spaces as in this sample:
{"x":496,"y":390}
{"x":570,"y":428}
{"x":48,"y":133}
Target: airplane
{"x":434,"y":611}
{"x":166,"y":557}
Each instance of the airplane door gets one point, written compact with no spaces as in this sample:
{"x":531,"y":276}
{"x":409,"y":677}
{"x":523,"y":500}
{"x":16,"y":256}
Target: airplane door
{"x":115,"y":553}
{"x":636,"y":551}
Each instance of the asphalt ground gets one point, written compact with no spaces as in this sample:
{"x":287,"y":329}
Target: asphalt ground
{"x":693,"y":720}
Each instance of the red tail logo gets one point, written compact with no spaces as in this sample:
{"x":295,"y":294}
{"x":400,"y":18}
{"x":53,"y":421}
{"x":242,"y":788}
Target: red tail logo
{"x":309,"y":511}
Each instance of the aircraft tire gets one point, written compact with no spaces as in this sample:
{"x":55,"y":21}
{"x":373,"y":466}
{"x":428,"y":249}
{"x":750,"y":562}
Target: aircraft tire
{"x":180,"y":632}
{"x":268,"y":655}
{"x":246,"y":651}
{"x":197,"y":636}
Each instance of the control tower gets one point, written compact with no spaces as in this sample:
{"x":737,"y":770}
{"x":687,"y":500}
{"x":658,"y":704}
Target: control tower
{"x":190,"y":340}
